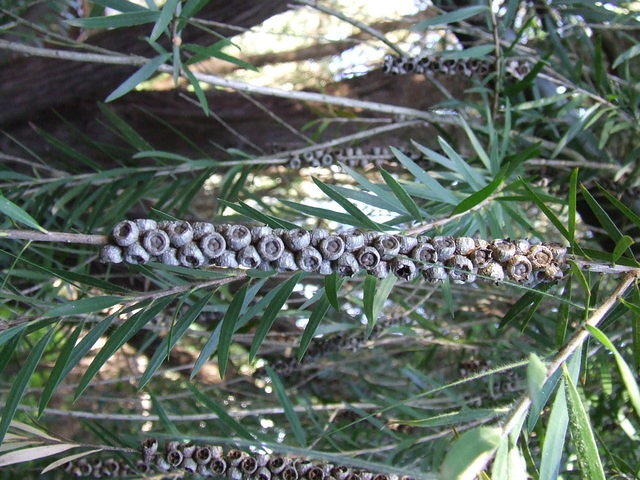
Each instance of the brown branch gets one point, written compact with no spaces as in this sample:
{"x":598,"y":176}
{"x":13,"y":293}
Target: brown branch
{"x":62,"y":237}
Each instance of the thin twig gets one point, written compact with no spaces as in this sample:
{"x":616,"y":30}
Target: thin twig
{"x":62,"y":237}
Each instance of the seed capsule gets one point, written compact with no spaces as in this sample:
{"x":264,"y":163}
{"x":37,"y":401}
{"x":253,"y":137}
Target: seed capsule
{"x":553,"y":271}
{"x":325,"y":268}
{"x":296,"y":239}
{"x":262,"y":459}
{"x":424,"y":254}
{"x":249,"y":257}
{"x":265,"y":267}
{"x":465,"y":245}
{"x":234,"y":457}
{"x":317,"y":235}
{"x":461,"y":270}
{"x":435,"y":274}
{"x":522,"y":246}
{"x":249,"y":465}
{"x":149,"y":449}
{"x":270,"y":247}
{"x":258,"y":232}
{"x":264,"y":474}
{"x":136,"y":254}
{"x":519,"y":268}
{"x":237,"y":237}
{"x":162,"y":464}
{"x":204,"y":471}
{"x":387,"y":245}
{"x":481,"y":243}
{"x":170,"y":257}
{"x":146,"y":224}
{"x":125,"y":233}
{"x":445,"y":246}
{"x":212,"y":245}
{"x":341,"y":472}
{"x":369,"y":237}
{"x":326,"y":160}
{"x":331,"y":247}
{"x":227,"y":259}
{"x":289,"y":473}
{"x":201,"y":229}
{"x":174,"y":458}
{"x":347,"y":265}
{"x":407,"y":244}
{"x":353,"y":240}
{"x":502,"y":250}
{"x":540,"y":256}
{"x":295,"y":162}
{"x":315,"y":473}
{"x":234,"y":473}
{"x":203,"y":455}
{"x":308,"y":259}
{"x":111,"y":254}
{"x":286,"y":262}
{"x":481,"y":257}
{"x":492,"y":270}
{"x":190,"y":465}
{"x":381,"y":476}
{"x":559,"y":252}
{"x":180,"y":233}
{"x":190,"y":256}
{"x":111,"y":466}
{"x":142,"y":467}
{"x":368,"y":257}
{"x":403,"y":268}
{"x":187,"y":449}
{"x":381,"y":270}
{"x":218,"y":466}
{"x":156,"y":242}
{"x":84,"y":467}
{"x":277,"y":464}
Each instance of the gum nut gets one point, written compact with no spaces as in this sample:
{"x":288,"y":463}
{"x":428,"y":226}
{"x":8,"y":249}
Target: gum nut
{"x":212,"y":245}
{"x":317,"y":235}
{"x":445,"y":246}
{"x":234,"y":457}
{"x":404,"y":268}
{"x":540,"y":256}
{"x":481,"y":257}
{"x":261,"y":231}
{"x":308,"y":157}
{"x":295,"y":162}
{"x":522,"y":246}
{"x":180,"y":233}
{"x":264,"y":474}
{"x":387,"y":245}
{"x":289,"y":473}
{"x":174,"y":458}
{"x":502,"y":250}
{"x":237,"y":237}
{"x":347,"y":265}
{"x":249,"y":465}
{"x":222,"y":228}
{"x":203,"y":455}
{"x":461,"y":269}
{"x":248,"y":257}
{"x":559,"y":252}
{"x":435,"y":274}
{"x":149,"y":449}
{"x":331,"y":247}
{"x":270,"y":247}
{"x":265,"y":267}
{"x":277,"y":464}
{"x":200,"y":229}
{"x":481,"y":243}
{"x":325,"y":268}
{"x":155,"y":242}
{"x":381,"y":270}
{"x":493,"y":270}
{"x":424,"y":254}
{"x":190,"y":256}
{"x":286,"y":262}
{"x":218,"y":466}
{"x":125,"y":233}
{"x":465,"y":245}
{"x":327,"y":160}
{"x":227,"y":259}
{"x":296,"y":239}
{"x":369,"y":237}
{"x":406,"y":244}
{"x":190,"y":465}
{"x":353,"y":240}
{"x":308,"y":259}
{"x":146,"y":224}
{"x":136,"y":254}
{"x":162,"y":464}
{"x":368,"y":257}
{"x":519,"y":268}
{"x":170,"y":257}
{"x":111,"y":254}
{"x":187,"y":449}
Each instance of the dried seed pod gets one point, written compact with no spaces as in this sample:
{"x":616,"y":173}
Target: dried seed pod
{"x":522,"y":246}
{"x":353,"y":240}
{"x":354,"y":476}
{"x":492,"y":270}
{"x":388,"y":63}
{"x":180,"y":233}
{"x":218,"y":466}
{"x":203,"y":455}
{"x":445,"y":246}
{"x":190,"y":465}
{"x":317,"y":235}
{"x":407,"y":244}
{"x":190,"y":256}
{"x":381,"y":476}
{"x":172,"y":445}
{"x":270,"y":248}
{"x":326,"y":160}
{"x":84,"y":467}
{"x":481,"y":257}
{"x":249,"y":257}
{"x":553,"y":271}
{"x":331,"y":247}
{"x":227,"y":259}
{"x":170,"y":257}
{"x":277,"y":464}
{"x":461,"y":270}
{"x":204,"y":471}
{"x":325,"y":268}
{"x":261,"y":231}
{"x":201,"y":229}
{"x":111,"y":254}
{"x":366,"y":475}
{"x":142,"y":467}
{"x":425,"y":254}
{"x":559,"y":252}
{"x":111,"y":467}
{"x":234,"y":473}
{"x":434,"y":274}
{"x":315,"y":163}
{"x":162,"y":464}
{"x":403,"y":268}
{"x":249,"y":465}
{"x":369,"y":237}
{"x":262,"y":459}
{"x":149,"y":449}
{"x":308,"y":157}
{"x":309,"y":259}
{"x":387,"y":245}
{"x":481,"y":243}
{"x":263,"y":474}
{"x":289,"y":473}
{"x":125,"y":233}
{"x":237,"y":237}
{"x":216,"y":451}
{"x":96,"y":466}
{"x":519,"y":268}
{"x":187,"y":449}
{"x":174,"y":458}
{"x":316,"y":473}
{"x":146,"y":224}
{"x":296,"y":239}
{"x":540,"y":256}
{"x":295,"y":162}
{"x":347,"y":265}
{"x":286,"y":262}
{"x":136,"y":254}
{"x":340,"y":472}
{"x":302,"y":467}
{"x":465,"y":245}
{"x":368,"y":257}
{"x":265,"y":267}
{"x":212,"y":245}
{"x":156,"y":242}
{"x":234,"y":457}
{"x":381,"y":270}
{"x":502,"y":250}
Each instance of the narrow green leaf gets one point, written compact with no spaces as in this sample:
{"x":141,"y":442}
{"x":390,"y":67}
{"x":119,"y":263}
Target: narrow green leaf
{"x":166,"y":14}
{"x":13,"y":211}
{"x":601,"y":215}
{"x":377,"y":298}
{"x":402,"y":195}
{"x":466,"y":171}
{"x":546,"y":210}
{"x":477,"y":197}
{"x":478,"y":51}
{"x":224,"y":417}
{"x":68,"y":458}
{"x":332,"y":284}
{"x":316,"y":317}
{"x":626,"y":211}
{"x":573,"y":190}
{"x":289,"y":411}
{"x":84,"y":305}
{"x":120,"y":5}
{"x":127,"y":19}
{"x":627,"y":55}
{"x":451,"y":17}
{"x":229,"y":322}
{"x":20,"y":383}
{"x":162,"y":415}
{"x":368,"y":297}
{"x":465,"y":451}
{"x":339,"y":217}
{"x":574,"y":129}
{"x":197,"y":88}
{"x":621,"y":246}
{"x":140,"y":75}
{"x":32,"y":454}
{"x":536,"y":375}
{"x":271,"y":311}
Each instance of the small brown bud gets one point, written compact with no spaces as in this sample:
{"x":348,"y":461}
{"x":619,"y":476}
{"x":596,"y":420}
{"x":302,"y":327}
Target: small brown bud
{"x":156,"y":242}
{"x":125,"y":233}
{"x":331,"y":247}
{"x":368,"y":257}
{"x":136,"y":254}
{"x":249,"y":257}
{"x":519,"y":268}
{"x":237,"y":237}
{"x":308,"y":259}
{"x":111,"y":254}
{"x":270,"y":247}
{"x":296,"y":239}
{"x":190,"y":256}
{"x":387,"y":245}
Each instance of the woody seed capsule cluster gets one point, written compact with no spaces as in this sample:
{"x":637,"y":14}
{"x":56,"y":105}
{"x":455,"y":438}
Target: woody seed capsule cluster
{"x":462,"y":259}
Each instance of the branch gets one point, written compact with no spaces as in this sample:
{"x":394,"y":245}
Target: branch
{"x":62,"y":237}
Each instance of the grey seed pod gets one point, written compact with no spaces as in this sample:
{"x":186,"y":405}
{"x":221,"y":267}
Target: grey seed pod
{"x":262,"y":459}
{"x":522,"y":246}
{"x":331,"y":247}
{"x":540,"y":256}
{"x":352,"y":162}
{"x":387,"y":245}
{"x":366,"y":475}
{"x":170,"y":257}
{"x":174,"y":458}
{"x":340,"y":472}
{"x":327,"y":160}
{"x":295,"y":162}
{"x":316,"y":473}
{"x":190,"y":256}
{"x":325,"y":268}
{"x":111,"y":466}
{"x":406,"y":244}
{"x":435,"y":274}
{"x":227,"y":259}
{"x":302,"y":467}
{"x":286,"y":262}
{"x":156,"y":242}
{"x":308,"y":259}
{"x":212,"y":245}
{"x":190,"y":465}
{"x":136,"y":254}
{"x":368,"y":257}
{"x":222,"y":228}
{"x":481,"y":257}
{"x":481,"y":243}
{"x":200,"y":229}
{"x":187,"y":449}
{"x":84,"y":467}
{"x":204,"y":471}
{"x":265,"y":267}
{"x":424,"y":239}
{"x":519,"y":268}
{"x":381,"y":476}
{"x":260,"y":231}
{"x":142,"y":467}
{"x":461,"y":270}
{"x":445,"y":246}
{"x":277,"y":464}
{"x":289,"y":473}
{"x":270,"y":248}
{"x":249,"y":465}
{"x":249,"y":257}
{"x":369,"y":237}
{"x":559,"y":251}
{"x":553,"y":271}
{"x":347,"y":265}
{"x":502,"y":250}
{"x":125,"y":233}
{"x":403,"y":268}
{"x":68,"y":467}
{"x":146,"y":224}
{"x":317,"y":235}
{"x":217,"y":451}
{"x":465,"y":245}
{"x":234,"y":473}
{"x":235,"y":457}
{"x":218,"y":466}
{"x":149,"y":449}
{"x":111,"y":254}
{"x":354,"y":476}
{"x":492,"y":270}
{"x":162,"y":464}
{"x":381,"y":270}
{"x":172,"y":445}
{"x":180,"y":233}
{"x":353,"y":240}
{"x":425,"y":254}
{"x":263,"y":474}
{"x":296,"y":239}
{"x":237,"y":237}
{"x":96,"y":466}
{"x":203,"y":455}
